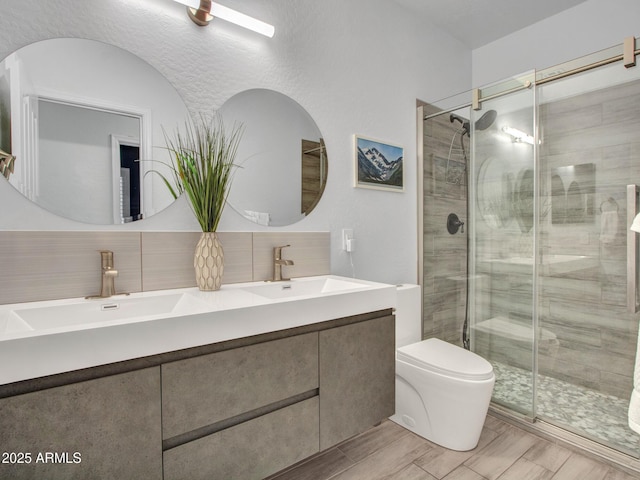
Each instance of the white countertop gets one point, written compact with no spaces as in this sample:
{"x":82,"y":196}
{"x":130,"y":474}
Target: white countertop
{"x":201,"y":318}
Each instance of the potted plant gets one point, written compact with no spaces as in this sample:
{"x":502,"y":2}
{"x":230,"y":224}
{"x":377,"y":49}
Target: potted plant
{"x":203,"y":162}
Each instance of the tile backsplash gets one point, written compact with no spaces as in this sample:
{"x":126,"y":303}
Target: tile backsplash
{"x":52,"y":265}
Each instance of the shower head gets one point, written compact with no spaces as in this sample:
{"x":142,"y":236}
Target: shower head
{"x":484,"y":122}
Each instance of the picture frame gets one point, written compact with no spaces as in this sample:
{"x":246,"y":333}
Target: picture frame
{"x":378,"y":165}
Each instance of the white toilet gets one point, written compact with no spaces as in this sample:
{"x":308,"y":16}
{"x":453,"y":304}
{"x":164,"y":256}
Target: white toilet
{"x":442,"y":391}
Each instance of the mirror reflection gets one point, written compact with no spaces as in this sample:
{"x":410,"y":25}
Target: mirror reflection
{"x":282,"y":157}
{"x":84,"y":120}
{"x":573,"y":194}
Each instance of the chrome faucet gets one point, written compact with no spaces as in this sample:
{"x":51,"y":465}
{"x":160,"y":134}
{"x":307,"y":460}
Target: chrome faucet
{"x":278,"y":262}
{"x":107,"y":289}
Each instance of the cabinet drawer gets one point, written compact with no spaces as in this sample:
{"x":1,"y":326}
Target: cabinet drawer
{"x":250,"y":450}
{"x":201,"y":391}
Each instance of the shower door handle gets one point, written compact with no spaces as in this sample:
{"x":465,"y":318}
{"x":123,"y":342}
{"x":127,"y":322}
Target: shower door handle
{"x":632,"y":250}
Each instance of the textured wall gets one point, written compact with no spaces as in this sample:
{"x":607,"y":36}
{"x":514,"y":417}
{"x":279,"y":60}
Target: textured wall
{"x":356,"y":67}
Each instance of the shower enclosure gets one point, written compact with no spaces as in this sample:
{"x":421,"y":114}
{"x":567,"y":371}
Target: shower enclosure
{"x":541,"y":171}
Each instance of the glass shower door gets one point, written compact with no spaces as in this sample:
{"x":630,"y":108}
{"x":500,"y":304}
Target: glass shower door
{"x":502,"y":239}
{"x":589,"y":153}
{"x":550,"y":157}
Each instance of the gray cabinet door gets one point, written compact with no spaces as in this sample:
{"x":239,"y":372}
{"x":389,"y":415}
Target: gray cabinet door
{"x":357,"y":378}
{"x":106,"y":428}
{"x":201,"y":391}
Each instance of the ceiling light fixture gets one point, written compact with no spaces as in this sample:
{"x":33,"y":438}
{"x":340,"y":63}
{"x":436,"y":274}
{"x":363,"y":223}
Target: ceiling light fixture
{"x":518,"y":135}
{"x":203,"y":11}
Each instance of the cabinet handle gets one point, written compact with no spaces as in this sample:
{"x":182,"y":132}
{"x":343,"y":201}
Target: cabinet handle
{"x":632,"y":250}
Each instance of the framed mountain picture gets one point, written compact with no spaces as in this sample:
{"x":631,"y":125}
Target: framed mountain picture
{"x":378,"y":164}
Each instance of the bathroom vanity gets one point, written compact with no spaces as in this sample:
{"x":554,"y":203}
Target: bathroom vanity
{"x":248,"y":399}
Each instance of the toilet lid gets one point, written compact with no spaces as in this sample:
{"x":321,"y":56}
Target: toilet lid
{"x":447,"y":359}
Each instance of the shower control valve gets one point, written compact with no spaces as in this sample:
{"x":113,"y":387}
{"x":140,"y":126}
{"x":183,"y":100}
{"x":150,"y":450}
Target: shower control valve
{"x":454,"y":224}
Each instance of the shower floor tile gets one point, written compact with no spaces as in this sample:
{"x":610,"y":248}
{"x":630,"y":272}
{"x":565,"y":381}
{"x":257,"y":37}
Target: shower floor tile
{"x":598,"y":416}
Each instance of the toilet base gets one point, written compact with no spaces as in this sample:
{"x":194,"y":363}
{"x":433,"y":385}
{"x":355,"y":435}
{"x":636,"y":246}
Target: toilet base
{"x":410,"y":411}
{"x":444,"y":411}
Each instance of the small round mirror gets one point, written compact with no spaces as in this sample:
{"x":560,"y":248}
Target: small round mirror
{"x":282,"y":158}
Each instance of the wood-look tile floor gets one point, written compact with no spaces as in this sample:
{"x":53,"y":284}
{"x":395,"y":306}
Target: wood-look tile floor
{"x":505,"y":452}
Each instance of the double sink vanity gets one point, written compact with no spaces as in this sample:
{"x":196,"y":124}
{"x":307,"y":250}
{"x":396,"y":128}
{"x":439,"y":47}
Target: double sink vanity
{"x":238,"y":383}
{"x":170,"y":384}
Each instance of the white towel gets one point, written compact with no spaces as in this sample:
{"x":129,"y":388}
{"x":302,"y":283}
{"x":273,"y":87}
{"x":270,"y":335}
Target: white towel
{"x":261,"y":218}
{"x":634,"y":403}
{"x":264,"y":218}
{"x":608,"y":226}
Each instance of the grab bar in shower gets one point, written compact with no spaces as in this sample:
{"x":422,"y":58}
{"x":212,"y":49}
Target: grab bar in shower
{"x":632,"y":250}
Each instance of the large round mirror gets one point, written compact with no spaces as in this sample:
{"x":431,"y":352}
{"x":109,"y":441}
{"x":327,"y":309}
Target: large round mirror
{"x":81,"y":130}
{"x":282,"y":158}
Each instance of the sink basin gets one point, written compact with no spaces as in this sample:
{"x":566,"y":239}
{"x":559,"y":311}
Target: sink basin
{"x":92,"y":311}
{"x":12,"y":323}
{"x":303,"y":287}
{"x":55,"y":336}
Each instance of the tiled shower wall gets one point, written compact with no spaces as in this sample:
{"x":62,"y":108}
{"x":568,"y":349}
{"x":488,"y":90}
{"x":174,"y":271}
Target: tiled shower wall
{"x":444,"y":255}
{"x":585,"y":308}
{"x":53,"y":265}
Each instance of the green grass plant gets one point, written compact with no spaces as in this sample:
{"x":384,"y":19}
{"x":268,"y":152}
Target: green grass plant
{"x":203,"y":165}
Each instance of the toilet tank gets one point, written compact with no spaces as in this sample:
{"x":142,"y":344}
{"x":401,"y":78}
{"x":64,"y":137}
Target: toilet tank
{"x":408,"y":315}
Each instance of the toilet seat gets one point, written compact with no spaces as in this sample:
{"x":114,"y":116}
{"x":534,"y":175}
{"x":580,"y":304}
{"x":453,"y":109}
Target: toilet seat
{"x":447,"y":359}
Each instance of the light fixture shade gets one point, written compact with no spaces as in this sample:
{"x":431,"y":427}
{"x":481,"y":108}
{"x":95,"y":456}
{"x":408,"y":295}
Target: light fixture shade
{"x":635,"y":226}
{"x":201,"y":12}
{"x":190,"y":3}
{"x":518,"y":135}
{"x":233,"y":16}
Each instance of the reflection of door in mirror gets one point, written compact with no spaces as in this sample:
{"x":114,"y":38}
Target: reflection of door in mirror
{"x":314,"y":174}
{"x":126,"y":183}
{"x":74,"y":157}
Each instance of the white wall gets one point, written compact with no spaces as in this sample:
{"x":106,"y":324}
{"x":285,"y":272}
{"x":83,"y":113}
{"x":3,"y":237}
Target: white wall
{"x":356,"y":66}
{"x":589,"y":27}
